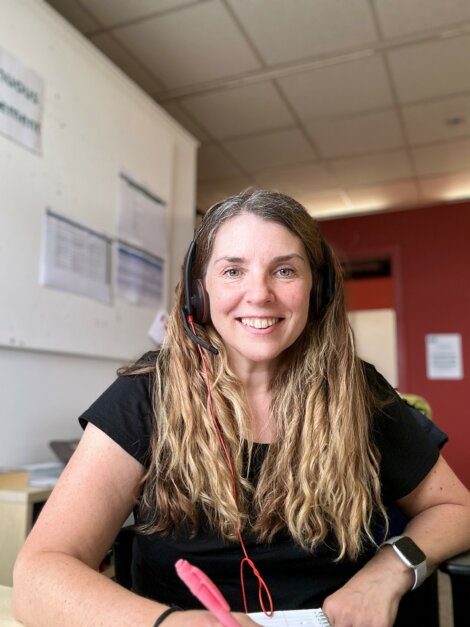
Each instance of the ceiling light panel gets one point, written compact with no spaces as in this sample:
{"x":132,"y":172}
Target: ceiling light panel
{"x":240,"y":111}
{"x":342,"y":89}
{"x":356,"y":135}
{"x":283,"y":33}
{"x":196,"y":44}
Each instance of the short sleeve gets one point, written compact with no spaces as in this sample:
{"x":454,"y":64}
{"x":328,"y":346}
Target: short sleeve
{"x":124,"y":413}
{"x":407,"y":452}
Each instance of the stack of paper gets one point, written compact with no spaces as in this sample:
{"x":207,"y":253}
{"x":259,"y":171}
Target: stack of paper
{"x":43,"y":474}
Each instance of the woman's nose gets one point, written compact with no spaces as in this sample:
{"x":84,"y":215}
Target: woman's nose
{"x":259,"y":290}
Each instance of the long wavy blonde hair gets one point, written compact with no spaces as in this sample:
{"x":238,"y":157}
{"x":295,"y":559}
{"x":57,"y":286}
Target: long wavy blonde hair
{"x":321,"y":472}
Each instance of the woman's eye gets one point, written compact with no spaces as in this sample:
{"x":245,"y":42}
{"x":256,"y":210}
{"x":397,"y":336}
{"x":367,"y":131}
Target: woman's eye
{"x":285,"y":272}
{"x":232,"y":272}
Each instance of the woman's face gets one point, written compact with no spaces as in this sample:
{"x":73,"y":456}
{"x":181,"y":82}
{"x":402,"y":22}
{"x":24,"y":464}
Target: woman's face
{"x":258,"y":279}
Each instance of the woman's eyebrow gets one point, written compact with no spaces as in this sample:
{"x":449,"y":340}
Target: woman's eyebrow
{"x":279,"y":259}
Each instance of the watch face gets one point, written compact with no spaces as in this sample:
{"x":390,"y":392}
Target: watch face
{"x":408,"y":548}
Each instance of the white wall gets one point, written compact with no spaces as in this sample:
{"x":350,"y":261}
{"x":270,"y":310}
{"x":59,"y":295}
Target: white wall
{"x":42,"y":393}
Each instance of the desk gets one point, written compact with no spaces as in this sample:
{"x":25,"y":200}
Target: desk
{"x":18,"y":511}
{"x":6,"y":617}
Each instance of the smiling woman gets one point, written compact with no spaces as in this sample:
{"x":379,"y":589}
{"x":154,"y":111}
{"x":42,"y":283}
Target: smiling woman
{"x":255,"y":437}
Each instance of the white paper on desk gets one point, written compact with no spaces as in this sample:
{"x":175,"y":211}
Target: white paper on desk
{"x":292,"y":618}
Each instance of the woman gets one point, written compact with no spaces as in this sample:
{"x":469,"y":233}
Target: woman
{"x":318,"y":442}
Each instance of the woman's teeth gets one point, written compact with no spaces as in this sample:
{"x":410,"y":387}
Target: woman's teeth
{"x":259,"y":323}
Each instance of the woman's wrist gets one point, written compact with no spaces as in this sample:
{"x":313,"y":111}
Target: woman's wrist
{"x":166,"y":613}
{"x":386,"y":570}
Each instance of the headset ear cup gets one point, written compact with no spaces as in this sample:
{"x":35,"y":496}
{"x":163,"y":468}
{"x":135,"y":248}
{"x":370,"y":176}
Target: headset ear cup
{"x":200,"y":303}
{"x":323,"y":293}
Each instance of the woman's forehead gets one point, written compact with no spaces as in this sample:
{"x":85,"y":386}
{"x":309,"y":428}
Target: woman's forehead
{"x":248,"y":232}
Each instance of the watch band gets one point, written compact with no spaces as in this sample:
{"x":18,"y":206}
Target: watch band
{"x":419,"y":568}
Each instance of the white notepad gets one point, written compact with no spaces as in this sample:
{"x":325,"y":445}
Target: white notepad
{"x":292,"y":618}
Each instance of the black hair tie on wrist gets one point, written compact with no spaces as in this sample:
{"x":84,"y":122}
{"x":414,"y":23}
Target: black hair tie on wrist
{"x":167,"y":612}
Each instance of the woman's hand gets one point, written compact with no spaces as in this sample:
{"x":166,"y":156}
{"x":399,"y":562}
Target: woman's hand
{"x":372,"y":596}
{"x":202,"y":618}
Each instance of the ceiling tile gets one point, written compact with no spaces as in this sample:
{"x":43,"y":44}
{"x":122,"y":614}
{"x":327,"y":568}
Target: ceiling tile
{"x":442,"y":158}
{"x":431,"y":69}
{"x":383,"y":196}
{"x":439,"y":120}
{"x":240,"y":111}
{"x":111,"y":12}
{"x":449,"y":187}
{"x":283,"y":31}
{"x":271,"y":149}
{"x":75,"y":14}
{"x":402,"y":17}
{"x":341,"y":89}
{"x":372,"y":169}
{"x":356,"y":135}
{"x":213,"y":163}
{"x":215,"y":191}
{"x":199,"y":43}
{"x":115,"y":51}
{"x":297,"y":180}
{"x":180,"y":115}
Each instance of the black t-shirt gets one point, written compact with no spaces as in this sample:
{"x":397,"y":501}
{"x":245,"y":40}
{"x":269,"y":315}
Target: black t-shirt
{"x":296,"y":578}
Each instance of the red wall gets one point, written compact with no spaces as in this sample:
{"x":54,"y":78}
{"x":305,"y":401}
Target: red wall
{"x":373,"y":293}
{"x":430,"y":252}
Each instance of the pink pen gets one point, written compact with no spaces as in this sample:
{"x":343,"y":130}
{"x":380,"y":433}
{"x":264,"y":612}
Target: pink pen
{"x":206,"y":591}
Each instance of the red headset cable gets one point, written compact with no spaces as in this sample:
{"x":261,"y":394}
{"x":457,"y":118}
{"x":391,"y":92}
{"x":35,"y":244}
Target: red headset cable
{"x":262,"y":586}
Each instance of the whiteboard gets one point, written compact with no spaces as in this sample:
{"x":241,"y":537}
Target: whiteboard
{"x":96,"y":124}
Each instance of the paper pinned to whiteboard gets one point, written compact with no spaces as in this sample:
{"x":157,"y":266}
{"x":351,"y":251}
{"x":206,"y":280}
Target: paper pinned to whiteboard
{"x":141,"y":244}
{"x":444,"y":356}
{"x":141,"y":219}
{"x":139,"y":276}
{"x":75,"y":258}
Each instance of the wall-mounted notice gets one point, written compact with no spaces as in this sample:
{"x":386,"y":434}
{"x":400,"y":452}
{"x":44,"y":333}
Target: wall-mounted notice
{"x":74,"y":258}
{"x":21,"y":102}
{"x":139,"y":276}
{"x":444,"y":356}
{"x":141,"y":246}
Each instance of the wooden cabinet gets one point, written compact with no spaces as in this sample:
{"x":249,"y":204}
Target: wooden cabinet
{"x":19,"y":508}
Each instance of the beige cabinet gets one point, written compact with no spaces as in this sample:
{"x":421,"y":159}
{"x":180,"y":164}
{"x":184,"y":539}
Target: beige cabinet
{"x":19,"y":509}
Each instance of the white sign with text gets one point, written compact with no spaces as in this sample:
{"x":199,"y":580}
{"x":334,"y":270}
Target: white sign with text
{"x":21,"y":102}
{"x":444,"y":356}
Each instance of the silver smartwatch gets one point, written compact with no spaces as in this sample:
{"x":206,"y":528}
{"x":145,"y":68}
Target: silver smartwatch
{"x":411,"y":555}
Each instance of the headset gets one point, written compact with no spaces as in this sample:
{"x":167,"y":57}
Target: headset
{"x":196,"y":299}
